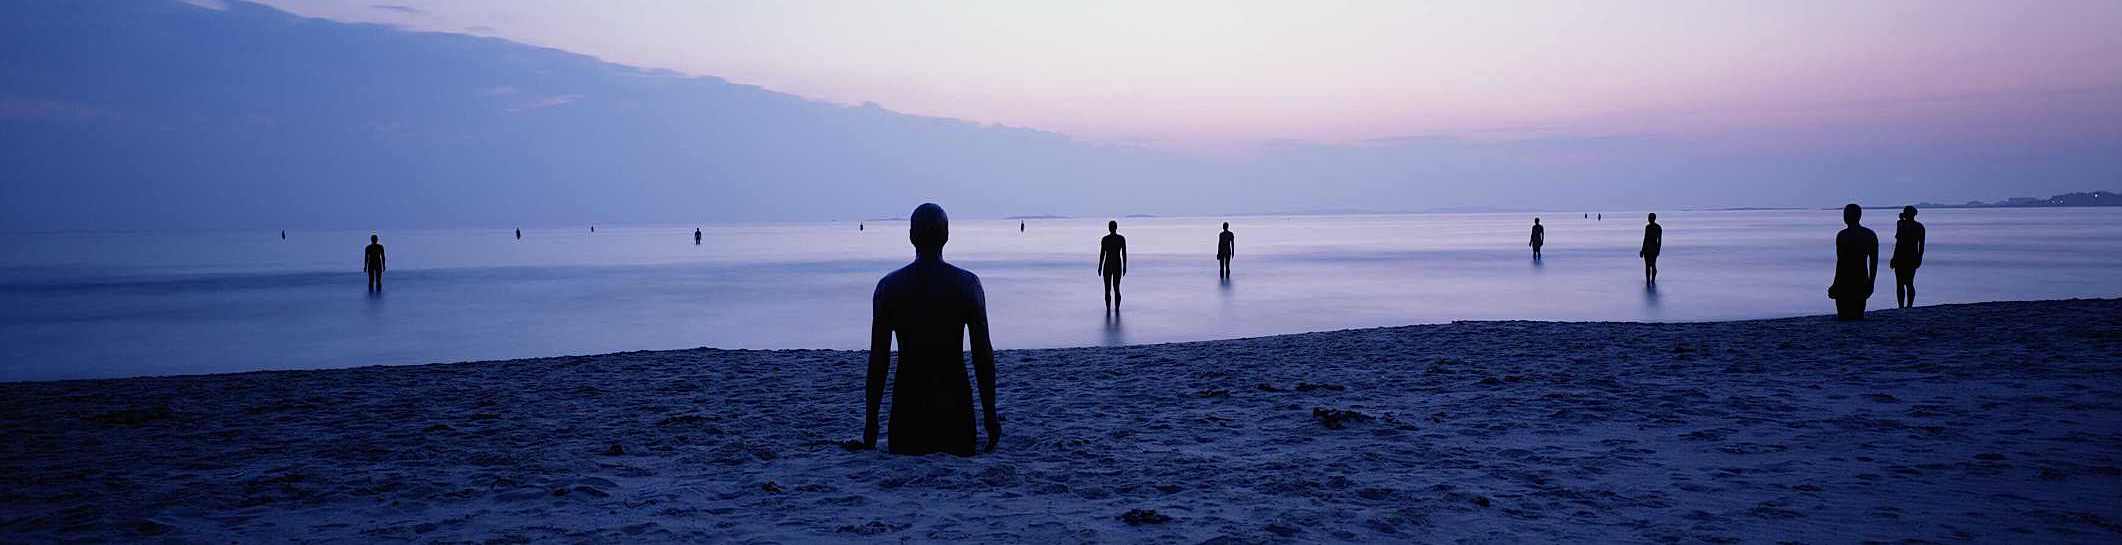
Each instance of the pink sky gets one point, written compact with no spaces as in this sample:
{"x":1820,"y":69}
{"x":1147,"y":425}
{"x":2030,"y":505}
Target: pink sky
{"x":1219,"y":74}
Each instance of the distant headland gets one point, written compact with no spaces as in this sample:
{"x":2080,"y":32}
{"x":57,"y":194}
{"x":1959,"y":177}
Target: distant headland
{"x":2095,"y":198}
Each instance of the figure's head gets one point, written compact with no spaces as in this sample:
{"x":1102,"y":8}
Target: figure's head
{"x":1851,"y":213}
{"x":1536,"y":221}
{"x":372,"y":239}
{"x":1908,"y":212}
{"x":1654,"y":217}
{"x":1226,"y":226}
{"x":929,"y":227}
{"x":1112,"y":226}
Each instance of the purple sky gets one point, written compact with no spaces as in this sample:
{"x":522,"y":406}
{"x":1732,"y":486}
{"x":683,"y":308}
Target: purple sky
{"x":1229,"y":75}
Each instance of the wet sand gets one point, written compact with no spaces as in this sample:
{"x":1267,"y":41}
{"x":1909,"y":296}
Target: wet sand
{"x":1985,"y":423}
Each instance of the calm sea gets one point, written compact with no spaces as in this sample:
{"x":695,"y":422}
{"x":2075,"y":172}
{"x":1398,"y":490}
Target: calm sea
{"x":127,"y":304}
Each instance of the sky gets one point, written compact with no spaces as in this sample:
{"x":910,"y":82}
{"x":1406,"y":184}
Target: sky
{"x":211,"y":114}
{"x":1218,"y":74}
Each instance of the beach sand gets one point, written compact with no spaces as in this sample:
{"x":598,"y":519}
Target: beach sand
{"x":1985,"y":423}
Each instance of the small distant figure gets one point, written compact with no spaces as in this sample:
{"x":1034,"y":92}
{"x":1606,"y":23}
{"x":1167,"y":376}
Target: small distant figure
{"x":1539,"y":238}
{"x":1908,"y":255}
{"x":860,"y":227}
{"x":1020,"y":227}
{"x":696,"y":236}
{"x":1226,"y":247}
{"x":283,"y":234}
{"x":593,"y":228}
{"x":1112,"y":263}
{"x":1602,"y":217}
{"x":1653,"y":242}
{"x":930,"y":305}
{"x":372,"y":262}
{"x":519,"y":234}
{"x":1856,"y":265}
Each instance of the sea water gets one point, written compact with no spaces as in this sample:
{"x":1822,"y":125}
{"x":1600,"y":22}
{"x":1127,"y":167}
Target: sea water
{"x":81,"y":305}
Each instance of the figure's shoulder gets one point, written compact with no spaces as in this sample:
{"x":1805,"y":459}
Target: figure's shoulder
{"x":963,"y":276}
{"x":894,"y":279}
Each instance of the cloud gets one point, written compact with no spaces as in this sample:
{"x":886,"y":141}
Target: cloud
{"x":216,"y":5}
{"x":400,"y":9}
{"x":31,"y":109}
{"x":547,"y":102}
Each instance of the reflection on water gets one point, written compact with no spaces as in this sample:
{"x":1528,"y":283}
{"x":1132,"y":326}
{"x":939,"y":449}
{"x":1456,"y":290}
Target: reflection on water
{"x":1115,"y":335}
{"x":1650,"y":295}
{"x":118,"y":304}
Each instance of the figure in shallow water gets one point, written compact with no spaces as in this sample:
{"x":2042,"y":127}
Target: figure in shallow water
{"x":1112,"y":263}
{"x":1226,"y":247}
{"x":1653,"y":242}
{"x":372,"y":262}
{"x":1908,"y":255}
{"x":1539,"y":238}
{"x":930,"y":306}
{"x":696,"y":236}
{"x":1856,"y":265}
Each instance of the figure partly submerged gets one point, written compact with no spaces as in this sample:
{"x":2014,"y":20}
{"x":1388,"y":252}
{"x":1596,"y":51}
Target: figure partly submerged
{"x":1539,"y":238}
{"x":1112,"y":262}
{"x":372,"y":262}
{"x":1856,"y":265}
{"x":1908,"y":255}
{"x":1653,"y":242}
{"x":1226,"y":247}
{"x":930,"y":306}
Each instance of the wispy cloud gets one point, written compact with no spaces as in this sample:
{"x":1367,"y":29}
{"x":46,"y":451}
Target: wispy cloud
{"x":31,"y":109}
{"x":547,"y":102}
{"x":216,"y":5}
{"x":400,"y":9}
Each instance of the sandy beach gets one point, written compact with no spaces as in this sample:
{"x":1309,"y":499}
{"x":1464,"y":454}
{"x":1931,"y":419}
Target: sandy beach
{"x":1983,"y":423}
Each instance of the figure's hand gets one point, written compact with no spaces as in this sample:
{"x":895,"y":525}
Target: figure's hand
{"x":994,"y":431}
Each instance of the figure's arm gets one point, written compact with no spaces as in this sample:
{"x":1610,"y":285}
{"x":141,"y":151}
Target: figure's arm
{"x":984,"y":365}
{"x":1123,"y":256}
{"x":1101,"y":260}
{"x":382,"y":261}
{"x":1872,"y":273}
{"x":880,"y":363}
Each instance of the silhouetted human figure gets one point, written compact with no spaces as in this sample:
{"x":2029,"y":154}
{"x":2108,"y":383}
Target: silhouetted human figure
{"x":1020,"y":227}
{"x":696,"y":236}
{"x":1653,"y":242}
{"x":930,"y":305}
{"x":1226,"y":247}
{"x":372,"y":262}
{"x":519,"y":234}
{"x":283,"y":234}
{"x":861,"y":227}
{"x":1856,"y":265}
{"x":1602,"y":217}
{"x":1112,"y":262}
{"x":1539,"y":238}
{"x":1908,"y":255}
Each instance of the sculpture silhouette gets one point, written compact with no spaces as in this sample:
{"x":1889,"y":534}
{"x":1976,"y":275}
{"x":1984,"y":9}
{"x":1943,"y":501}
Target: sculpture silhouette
{"x":1226,"y":247}
{"x":1112,"y":262}
{"x":930,"y":305}
{"x":1856,"y":265}
{"x":1539,"y":238}
{"x":696,"y":236}
{"x":1908,"y":255}
{"x":372,"y":262}
{"x":1653,"y":242}
{"x":519,"y":234}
